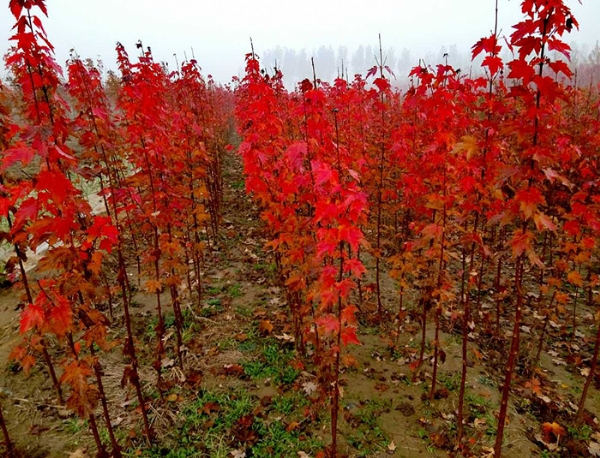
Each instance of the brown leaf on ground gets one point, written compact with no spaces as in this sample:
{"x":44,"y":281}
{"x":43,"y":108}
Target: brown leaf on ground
{"x":265,"y":327}
{"x":293,"y":426}
{"x":233,"y":370}
{"x":552,"y":432}
{"x":210,"y":407}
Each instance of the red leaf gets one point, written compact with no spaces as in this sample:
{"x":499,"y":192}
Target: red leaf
{"x":543,"y":222}
{"x":348,"y":315}
{"x":355,"y":266}
{"x":16,"y":6}
{"x":329,"y":323}
{"x":529,"y":199}
{"x":345,"y":287}
{"x":382,"y":84}
{"x":349,"y":336}
{"x":32,"y":316}
{"x":494,"y":63}
{"x":521,"y":242}
{"x":56,"y":184}
{"x":61,"y":316}
{"x":351,"y":234}
{"x":22,"y":154}
{"x":520,"y":69}
{"x":84,"y":397}
{"x":27,"y":212}
{"x":561,"y":67}
{"x":572,"y":228}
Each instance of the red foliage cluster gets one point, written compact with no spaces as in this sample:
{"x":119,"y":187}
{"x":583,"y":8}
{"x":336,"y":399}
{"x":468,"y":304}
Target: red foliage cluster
{"x":154,"y":151}
{"x":458,"y":182}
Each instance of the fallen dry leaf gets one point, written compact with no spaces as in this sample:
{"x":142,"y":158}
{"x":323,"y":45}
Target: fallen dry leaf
{"x":479,"y":423}
{"x":285,"y":337}
{"x":293,"y":426}
{"x":594,"y":448}
{"x":585,"y":371}
{"x":265,"y":327}
{"x":309,"y":388}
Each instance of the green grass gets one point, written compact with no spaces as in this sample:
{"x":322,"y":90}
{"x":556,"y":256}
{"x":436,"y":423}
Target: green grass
{"x":582,"y":433}
{"x":210,"y":424}
{"x":272,"y":363}
{"x":450,"y":381}
{"x":366,"y":435}
{"x":235,"y":290}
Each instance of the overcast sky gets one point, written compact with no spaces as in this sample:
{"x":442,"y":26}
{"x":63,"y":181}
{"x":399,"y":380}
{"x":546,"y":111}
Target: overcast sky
{"x":219,"y":30}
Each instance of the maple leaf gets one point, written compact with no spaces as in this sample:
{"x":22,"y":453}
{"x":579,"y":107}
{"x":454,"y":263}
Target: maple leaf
{"x":494,"y":63}
{"x":349,"y":336}
{"x":22,"y":154}
{"x":348,"y":314}
{"x":61,"y":316}
{"x":561,"y":67}
{"x":306,"y":85}
{"x":521,"y":242}
{"x":309,"y":388}
{"x":488,"y":45}
{"x":153,"y":286}
{"x":210,"y":407}
{"x":355,"y":266}
{"x":84,"y":397}
{"x":543,"y":222}
{"x":574,"y":277}
{"x":56,"y":184}
{"x":16,"y":6}
{"x":33,"y":316}
{"x":95,"y":264}
{"x":349,"y":361}
{"x":345,"y":287}
{"x":265,"y":327}
{"x":529,"y":199}
{"x":552,"y":432}
{"x":351,"y":234}
{"x":520,"y":69}
{"x":27,"y":362}
{"x":322,"y":172}
{"x":329,"y":323}
{"x":572,"y":228}
{"x":382,"y":84}
{"x":27,"y":212}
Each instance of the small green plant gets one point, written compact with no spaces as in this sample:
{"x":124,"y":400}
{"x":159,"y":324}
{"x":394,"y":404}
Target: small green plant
{"x":451,"y":381}
{"x":244,"y":311}
{"x":477,"y":401}
{"x":288,"y":403}
{"x":75,"y":425}
{"x":212,"y":306}
{"x":582,"y":433}
{"x":273,"y":363}
{"x":214,"y":290}
{"x":235,"y":290}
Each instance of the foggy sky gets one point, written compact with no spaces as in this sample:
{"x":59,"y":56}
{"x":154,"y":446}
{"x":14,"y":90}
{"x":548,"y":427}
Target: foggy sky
{"x":219,"y":31}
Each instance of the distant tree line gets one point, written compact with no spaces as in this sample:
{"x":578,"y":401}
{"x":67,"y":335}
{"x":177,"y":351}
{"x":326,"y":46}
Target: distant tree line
{"x":330,"y":63}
